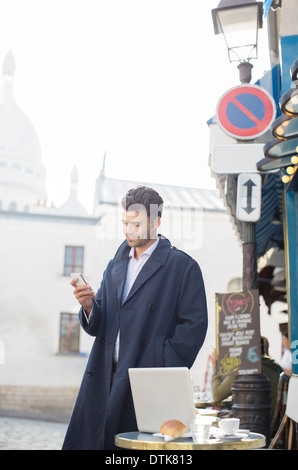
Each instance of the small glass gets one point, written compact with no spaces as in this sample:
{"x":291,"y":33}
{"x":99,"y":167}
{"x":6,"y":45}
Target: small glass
{"x":200,"y":430}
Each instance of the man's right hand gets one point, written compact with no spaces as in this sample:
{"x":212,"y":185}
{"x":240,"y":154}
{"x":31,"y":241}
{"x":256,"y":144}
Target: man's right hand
{"x":84,"y":295}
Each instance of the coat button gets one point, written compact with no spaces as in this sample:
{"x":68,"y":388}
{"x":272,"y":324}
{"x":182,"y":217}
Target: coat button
{"x":151,"y":306}
{"x":89,"y":373}
{"x":102,"y":340}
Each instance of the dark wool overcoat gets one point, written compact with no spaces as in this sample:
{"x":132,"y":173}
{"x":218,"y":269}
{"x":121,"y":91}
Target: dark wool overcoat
{"x":163,"y":323}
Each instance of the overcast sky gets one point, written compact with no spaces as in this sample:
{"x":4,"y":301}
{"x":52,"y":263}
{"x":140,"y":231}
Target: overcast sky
{"x":137,"y":79}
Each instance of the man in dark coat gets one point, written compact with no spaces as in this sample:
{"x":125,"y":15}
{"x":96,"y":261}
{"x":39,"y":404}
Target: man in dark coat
{"x":150,"y":311}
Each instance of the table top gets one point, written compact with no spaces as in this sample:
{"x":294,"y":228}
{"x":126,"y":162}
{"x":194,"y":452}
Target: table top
{"x":146,"y":441}
{"x":210,"y":403}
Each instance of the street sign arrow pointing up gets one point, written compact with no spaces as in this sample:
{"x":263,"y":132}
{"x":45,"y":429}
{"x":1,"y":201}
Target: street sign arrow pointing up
{"x":249,"y":184}
{"x":248,"y":207}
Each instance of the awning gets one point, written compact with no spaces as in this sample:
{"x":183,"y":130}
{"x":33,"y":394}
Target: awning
{"x":269,"y":229}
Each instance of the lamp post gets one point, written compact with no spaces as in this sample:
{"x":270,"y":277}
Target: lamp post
{"x":239,"y":21}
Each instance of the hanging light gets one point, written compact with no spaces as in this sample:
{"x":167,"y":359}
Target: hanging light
{"x":285,"y":178}
{"x":289,"y":100}
{"x":282,"y":151}
{"x":290,"y":170}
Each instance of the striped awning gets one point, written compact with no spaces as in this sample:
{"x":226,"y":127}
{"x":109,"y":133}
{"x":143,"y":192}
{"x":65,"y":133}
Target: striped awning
{"x":269,"y":229}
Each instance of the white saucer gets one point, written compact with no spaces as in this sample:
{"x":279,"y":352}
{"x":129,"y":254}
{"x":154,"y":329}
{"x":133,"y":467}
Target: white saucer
{"x":169,"y":438}
{"x":233,"y":437}
{"x":244,"y":431}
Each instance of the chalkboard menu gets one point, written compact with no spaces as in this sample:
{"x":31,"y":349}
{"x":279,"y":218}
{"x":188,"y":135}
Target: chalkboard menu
{"x":238,"y":347}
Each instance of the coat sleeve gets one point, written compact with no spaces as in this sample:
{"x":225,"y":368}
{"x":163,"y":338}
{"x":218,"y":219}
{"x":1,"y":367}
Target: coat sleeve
{"x":192,"y":320}
{"x":92,"y":324}
{"x":221,"y":388}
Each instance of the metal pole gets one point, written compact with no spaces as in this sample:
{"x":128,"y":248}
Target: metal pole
{"x":251,"y":393}
{"x":249,"y":251}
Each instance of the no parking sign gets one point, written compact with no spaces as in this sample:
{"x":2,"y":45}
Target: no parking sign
{"x":246,"y":112}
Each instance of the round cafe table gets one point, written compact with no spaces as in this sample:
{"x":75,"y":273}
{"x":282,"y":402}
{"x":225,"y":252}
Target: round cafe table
{"x":145,"y":441}
{"x":210,"y":404}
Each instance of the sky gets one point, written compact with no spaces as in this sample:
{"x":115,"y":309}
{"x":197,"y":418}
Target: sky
{"x":136,"y":80}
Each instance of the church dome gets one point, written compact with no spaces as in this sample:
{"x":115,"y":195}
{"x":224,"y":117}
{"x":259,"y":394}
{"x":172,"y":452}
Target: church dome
{"x":17,"y":134}
{"x":22,"y":173}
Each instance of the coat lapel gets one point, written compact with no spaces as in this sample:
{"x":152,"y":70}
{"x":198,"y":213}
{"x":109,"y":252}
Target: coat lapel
{"x":120,"y":262}
{"x":149,"y":268}
{"x":156,"y":260}
{"x":119,"y":268}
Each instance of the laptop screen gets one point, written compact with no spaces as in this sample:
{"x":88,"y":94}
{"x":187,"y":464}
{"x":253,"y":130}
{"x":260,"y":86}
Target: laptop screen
{"x":160,"y":394}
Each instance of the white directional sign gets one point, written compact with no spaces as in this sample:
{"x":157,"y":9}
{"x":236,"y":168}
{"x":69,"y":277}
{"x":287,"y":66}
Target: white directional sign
{"x":248,"y":208}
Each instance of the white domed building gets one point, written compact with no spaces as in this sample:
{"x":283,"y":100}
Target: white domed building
{"x":22,"y":174}
{"x":41,"y":348}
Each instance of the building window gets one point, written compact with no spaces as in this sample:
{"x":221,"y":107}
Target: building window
{"x":69,"y":333}
{"x":13,"y":206}
{"x":73,"y":260}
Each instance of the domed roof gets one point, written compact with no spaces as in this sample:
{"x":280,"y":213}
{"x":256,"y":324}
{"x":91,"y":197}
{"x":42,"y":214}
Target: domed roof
{"x":18,"y":138}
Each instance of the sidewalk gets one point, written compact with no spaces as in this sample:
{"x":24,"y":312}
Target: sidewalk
{"x":26,"y":434}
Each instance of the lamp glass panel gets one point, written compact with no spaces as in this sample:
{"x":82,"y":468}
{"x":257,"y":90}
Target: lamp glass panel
{"x":240,"y":19}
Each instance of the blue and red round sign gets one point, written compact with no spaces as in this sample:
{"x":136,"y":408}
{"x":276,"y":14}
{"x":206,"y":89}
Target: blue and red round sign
{"x":246,"y":112}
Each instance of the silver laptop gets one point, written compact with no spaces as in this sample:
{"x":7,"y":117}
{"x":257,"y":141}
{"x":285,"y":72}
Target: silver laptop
{"x":160,"y":394}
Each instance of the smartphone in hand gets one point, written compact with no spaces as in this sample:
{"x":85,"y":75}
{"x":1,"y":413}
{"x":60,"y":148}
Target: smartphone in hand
{"x":80,"y":279}
{"x":84,"y":298}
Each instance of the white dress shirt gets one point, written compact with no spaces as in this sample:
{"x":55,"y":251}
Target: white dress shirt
{"x":133,"y":269}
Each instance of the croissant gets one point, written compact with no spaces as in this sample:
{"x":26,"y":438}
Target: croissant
{"x":173,"y":428}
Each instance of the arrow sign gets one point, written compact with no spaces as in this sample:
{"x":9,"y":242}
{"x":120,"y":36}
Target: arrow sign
{"x":248,"y":208}
{"x":249,"y":185}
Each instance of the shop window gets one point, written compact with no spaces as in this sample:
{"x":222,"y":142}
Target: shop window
{"x":69,"y":341}
{"x":73,"y":260}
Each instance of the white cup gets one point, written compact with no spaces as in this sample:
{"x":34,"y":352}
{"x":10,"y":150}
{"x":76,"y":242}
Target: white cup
{"x":229,"y":426}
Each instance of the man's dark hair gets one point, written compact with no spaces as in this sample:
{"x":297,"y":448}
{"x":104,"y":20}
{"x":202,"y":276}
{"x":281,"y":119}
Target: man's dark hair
{"x":144,"y":196}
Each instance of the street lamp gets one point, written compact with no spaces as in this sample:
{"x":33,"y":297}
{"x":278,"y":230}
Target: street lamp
{"x":239,"y":22}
